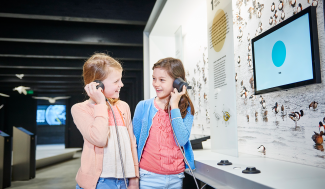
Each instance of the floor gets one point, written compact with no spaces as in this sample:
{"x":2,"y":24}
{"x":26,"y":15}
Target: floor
{"x":58,"y":176}
{"x":61,"y":175}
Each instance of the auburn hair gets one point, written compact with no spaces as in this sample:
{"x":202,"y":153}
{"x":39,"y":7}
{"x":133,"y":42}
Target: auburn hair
{"x":175,"y":69}
{"x":98,"y":67}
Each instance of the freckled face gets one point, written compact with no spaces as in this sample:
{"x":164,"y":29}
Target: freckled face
{"x":162,"y":83}
{"x":113,"y":83}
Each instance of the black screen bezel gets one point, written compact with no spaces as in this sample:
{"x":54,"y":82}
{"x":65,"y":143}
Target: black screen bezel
{"x":314,"y":50}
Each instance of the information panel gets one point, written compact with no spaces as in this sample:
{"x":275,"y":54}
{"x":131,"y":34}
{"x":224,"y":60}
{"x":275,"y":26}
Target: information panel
{"x":222,"y":91}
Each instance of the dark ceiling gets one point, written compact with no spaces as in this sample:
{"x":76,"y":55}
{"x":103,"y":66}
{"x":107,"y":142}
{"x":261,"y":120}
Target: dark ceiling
{"x":49,"y":41}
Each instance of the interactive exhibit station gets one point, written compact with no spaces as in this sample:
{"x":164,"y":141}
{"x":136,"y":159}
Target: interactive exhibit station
{"x":255,"y":68}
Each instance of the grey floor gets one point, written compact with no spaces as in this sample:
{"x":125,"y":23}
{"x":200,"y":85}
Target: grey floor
{"x":58,"y":176}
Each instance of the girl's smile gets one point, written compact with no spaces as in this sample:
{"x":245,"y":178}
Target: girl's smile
{"x":162,"y":82}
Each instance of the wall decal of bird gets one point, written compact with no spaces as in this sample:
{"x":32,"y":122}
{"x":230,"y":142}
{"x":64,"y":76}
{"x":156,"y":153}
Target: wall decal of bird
{"x":248,"y":37}
{"x":318,"y":138}
{"x":292,"y":3}
{"x":280,"y":6}
{"x":236,"y":77}
{"x":283,"y":15}
{"x":51,"y":100}
{"x":20,"y":76}
{"x":251,"y":82}
{"x":321,"y":127}
{"x":313,"y":105}
{"x":260,"y":28}
{"x":295,"y":116}
{"x":272,"y":7}
{"x":240,"y":35}
{"x":1,"y":106}
{"x":256,"y":33}
{"x":265,"y":119}
{"x":265,"y":114}
{"x":247,"y":116}
{"x":315,"y":3}
{"x":283,"y":113}
{"x":261,"y":149}
{"x":4,"y":95}
{"x":243,"y":93}
{"x":271,"y":20}
{"x":275,"y":108}
{"x":299,"y":8}
{"x":242,"y":82}
{"x":21,"y":89}
{"x":262,"y":102}
{"x":249,"y":56}
{"x":226,"y":115}
{"x":275,"y":14}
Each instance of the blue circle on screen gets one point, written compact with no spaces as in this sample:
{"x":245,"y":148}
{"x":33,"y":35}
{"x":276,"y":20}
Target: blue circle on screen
{"x":279,"y":53}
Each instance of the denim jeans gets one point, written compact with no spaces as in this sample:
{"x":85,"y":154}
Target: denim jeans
{"x":150,"y":180}
{"x":109,"y":183}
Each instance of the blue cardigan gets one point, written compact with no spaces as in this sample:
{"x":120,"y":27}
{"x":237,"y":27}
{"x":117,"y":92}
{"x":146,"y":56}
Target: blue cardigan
{"x":142,"y":122}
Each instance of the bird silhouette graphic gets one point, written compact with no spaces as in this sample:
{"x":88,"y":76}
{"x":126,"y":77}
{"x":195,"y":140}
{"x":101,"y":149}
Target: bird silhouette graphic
{"x":20,"y":76}
{"x":318,"y":138}
{"x":4,"y":95}
{"x":51,"y":100}
{"x":275,"y":108}
{"x":261,"y":149}
{"x":313,"y":105}
{"x":295,"y":116}
{"x":21,"y":89}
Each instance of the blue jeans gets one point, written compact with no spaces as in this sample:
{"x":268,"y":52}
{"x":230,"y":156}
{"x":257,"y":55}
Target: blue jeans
{"x":109,"y":183}
{"x":150,"y":180}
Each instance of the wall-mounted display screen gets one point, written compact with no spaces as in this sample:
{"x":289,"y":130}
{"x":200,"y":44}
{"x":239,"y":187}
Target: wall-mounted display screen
{"x":51,"y":115}
{"x":286,"y":55}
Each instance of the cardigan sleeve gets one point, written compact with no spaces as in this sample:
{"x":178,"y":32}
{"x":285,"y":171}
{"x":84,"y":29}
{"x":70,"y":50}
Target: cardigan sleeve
{"x":182,"y":127}
{"x":137,"y":120}
{"x":94,"y":128}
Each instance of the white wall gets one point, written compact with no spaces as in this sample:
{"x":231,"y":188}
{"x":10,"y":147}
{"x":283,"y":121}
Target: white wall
{"x":160,"y":47}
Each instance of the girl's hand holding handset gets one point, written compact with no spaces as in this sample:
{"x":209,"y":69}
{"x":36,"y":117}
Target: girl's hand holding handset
{"x":175,"y":97}
{"x":96,"y":95}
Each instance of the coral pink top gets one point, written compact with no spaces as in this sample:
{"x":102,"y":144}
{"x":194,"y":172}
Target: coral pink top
{"x":161,"y":155}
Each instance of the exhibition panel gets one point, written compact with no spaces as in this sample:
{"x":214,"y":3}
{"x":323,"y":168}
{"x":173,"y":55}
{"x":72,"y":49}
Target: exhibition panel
{"x":232,"y":59}
{"x":24,"y":150}
{"x":5,"y":160}
{"x":222,"y":98}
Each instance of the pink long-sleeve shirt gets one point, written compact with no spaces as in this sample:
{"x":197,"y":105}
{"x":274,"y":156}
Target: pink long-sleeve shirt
{"x":92,"y":121}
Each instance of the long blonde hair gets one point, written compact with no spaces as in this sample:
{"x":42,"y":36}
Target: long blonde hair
{"x":97,"y":68}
